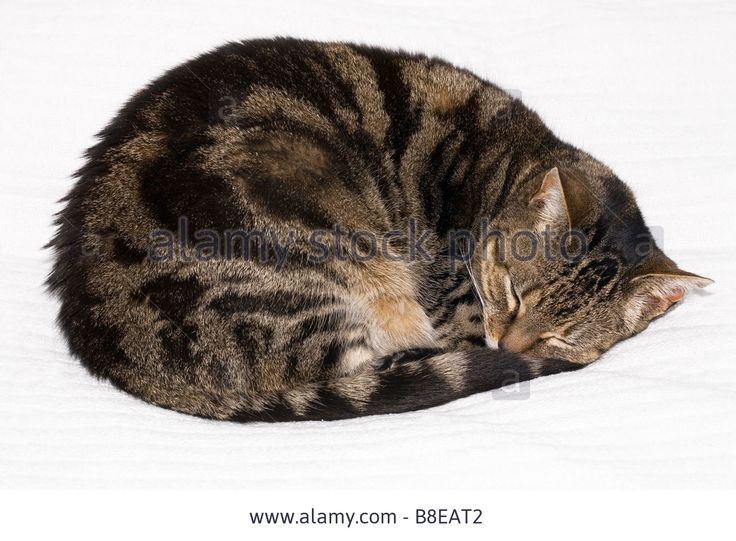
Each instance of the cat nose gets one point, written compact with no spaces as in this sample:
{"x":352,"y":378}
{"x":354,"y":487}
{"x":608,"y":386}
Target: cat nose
{"x":517,"y":340}
{"x":505,"y":345}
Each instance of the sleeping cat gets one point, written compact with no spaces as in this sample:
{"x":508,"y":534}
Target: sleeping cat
{"x":359,"y":168}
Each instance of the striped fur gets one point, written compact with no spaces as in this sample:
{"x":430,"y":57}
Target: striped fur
{"x":292,"y":136}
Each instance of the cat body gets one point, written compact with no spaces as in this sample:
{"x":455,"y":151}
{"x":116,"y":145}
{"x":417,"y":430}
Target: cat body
{"x":288,"y":230}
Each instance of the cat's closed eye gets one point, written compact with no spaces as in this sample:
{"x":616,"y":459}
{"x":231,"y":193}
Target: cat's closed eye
{"x":512,"y":297}
{"x":556,"y":340}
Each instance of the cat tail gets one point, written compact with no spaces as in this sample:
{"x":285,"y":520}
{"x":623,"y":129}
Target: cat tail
{"x":407,"y":381}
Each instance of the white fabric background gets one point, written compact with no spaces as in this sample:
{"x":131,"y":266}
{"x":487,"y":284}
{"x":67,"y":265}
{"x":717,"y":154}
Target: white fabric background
{"x":648,"y":89}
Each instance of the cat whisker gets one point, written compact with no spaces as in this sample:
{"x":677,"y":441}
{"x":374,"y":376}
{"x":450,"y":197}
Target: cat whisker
{"x":473,"y":281}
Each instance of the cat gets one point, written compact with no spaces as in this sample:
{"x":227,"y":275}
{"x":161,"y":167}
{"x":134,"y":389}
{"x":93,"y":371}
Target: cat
{"x":287,"y":137}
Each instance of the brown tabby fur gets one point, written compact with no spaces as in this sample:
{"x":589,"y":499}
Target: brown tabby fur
{"x":288,"y":136}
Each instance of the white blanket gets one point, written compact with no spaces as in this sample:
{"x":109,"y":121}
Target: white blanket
{"x":650,"y":92}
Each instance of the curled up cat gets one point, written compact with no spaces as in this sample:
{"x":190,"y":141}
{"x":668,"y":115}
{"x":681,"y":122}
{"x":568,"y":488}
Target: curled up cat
{"x":290,"y":230}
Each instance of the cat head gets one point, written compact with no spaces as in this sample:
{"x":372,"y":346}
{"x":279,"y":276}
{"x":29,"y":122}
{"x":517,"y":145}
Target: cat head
{"x":571,"y":269}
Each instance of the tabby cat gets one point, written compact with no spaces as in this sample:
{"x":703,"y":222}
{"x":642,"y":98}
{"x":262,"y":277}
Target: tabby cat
{"x":190,"y":274}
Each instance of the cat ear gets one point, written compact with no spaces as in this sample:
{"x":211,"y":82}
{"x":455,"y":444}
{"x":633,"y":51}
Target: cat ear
{"x":656,"y":287}
{"x":549,"y":202}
